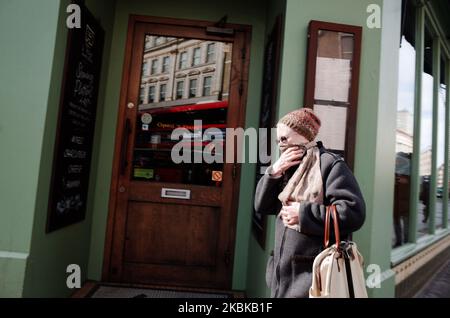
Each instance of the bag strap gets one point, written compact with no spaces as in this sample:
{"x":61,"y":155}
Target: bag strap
{"x":326,"y":239}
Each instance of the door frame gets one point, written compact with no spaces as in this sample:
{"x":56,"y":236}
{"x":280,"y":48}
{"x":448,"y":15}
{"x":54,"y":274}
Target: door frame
{"x":243,"y":61}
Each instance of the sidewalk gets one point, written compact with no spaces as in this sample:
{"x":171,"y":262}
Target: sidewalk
{"x":438,"y":286}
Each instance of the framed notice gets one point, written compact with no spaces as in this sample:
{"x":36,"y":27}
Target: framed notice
{"x":76,"y":123}
{"x":331,"y":85}
{"x":268,"y":104}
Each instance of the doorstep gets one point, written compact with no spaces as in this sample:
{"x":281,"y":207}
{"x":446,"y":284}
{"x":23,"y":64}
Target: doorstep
{"x":94,"y":289}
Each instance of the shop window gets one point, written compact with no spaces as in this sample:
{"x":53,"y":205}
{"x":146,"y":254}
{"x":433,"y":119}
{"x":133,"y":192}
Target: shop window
{"x":165,"y":65}
{"x":180,"y":90}
{"x":154,"y":66}
{"x":196,"y":56}
{"x":441,"y":146}
{"x":210,"y":53}
{"x":207,"y":86}
{"x":151,"y":94}
{"x":192,"y":88}
{"x":426,"y":139}
{"x":404,"y":134}
{"x":404,"y":141}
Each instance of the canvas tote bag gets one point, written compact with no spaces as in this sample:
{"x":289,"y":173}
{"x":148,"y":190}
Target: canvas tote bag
{"x":338,"y":270}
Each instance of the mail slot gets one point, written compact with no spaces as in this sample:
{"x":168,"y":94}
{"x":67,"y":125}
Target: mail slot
{"x":176,"y":193}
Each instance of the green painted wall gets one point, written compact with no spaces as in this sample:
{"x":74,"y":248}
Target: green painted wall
{"x":376,"y":237}
{"x":246,"y":12}
{"x":50,"y":254}
{"x":26,"y":50}
{"x":375,"y":142}
{"x":257,"y":256}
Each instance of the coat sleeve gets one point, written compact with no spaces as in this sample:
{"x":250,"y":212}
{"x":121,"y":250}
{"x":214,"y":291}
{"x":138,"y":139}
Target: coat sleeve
{"x":342,"y":190}
{"x":266,"y":195}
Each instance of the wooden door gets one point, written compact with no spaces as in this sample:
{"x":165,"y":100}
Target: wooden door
{"x":175,"y":223}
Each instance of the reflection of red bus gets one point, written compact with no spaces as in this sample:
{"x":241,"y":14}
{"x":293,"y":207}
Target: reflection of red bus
{"x":154,"y":143}
{"x":166,"y":119}
{"x":187,"y":108}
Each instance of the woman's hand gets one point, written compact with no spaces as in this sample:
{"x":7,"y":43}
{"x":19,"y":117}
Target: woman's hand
{"x":289,"y":213}
{"x":288,"y":158}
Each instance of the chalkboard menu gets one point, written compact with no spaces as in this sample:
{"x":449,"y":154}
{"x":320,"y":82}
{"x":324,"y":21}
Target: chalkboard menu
{"x":76,"y":123}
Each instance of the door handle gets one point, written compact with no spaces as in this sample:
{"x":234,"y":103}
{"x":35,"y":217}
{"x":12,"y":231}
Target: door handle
{"x":124,"y":147}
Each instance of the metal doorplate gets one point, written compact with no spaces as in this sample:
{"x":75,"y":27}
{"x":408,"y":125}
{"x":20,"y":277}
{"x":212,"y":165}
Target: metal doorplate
{"x":176,"y":193}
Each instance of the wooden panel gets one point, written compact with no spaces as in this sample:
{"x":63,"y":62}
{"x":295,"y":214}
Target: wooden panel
{"x":171,"y":234}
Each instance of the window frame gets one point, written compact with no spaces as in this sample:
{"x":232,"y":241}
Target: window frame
{"x":161,"y":90}
{"x":209,"y":54}
{"x":149,"y":93}
{"x":195,"y":88}
{"x":194,"y":57}
{"x":142,"y":95}
{"x":165,"y":66}
{"x":179,"y":87}
{"x":204,"y":87}
{"x":183,"y":62}
{"x":154,"y":67}
{"x":310,"y":82}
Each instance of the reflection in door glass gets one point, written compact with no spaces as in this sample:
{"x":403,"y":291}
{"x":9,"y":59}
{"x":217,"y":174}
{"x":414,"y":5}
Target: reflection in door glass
{"x":188,"y":80}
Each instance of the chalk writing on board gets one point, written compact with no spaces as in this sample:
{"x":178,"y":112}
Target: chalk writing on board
{"x":75,"y":129}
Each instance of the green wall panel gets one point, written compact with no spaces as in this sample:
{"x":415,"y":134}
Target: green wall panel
{"x":26,"y":55}
{"x":50,"y":254}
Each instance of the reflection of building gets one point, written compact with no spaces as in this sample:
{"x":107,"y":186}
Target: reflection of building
{"x":180,"y":71}
{"x":425,"y":163}
{"x":404,"y":132}
{"x":405,"y":122}
{"x":440,"y":176}
{"x":404,"y":141}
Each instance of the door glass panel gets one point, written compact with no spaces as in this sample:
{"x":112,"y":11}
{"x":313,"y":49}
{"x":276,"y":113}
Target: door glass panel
{"x":171,"y":97}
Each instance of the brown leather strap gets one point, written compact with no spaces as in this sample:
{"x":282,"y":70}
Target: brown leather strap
{"x":336,"y":226}
{"x":326,"y":238}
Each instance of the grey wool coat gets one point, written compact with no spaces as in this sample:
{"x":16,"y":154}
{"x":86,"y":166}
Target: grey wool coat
{"x":289,"y":268}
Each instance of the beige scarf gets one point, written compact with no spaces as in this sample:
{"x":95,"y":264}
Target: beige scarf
{"x":306,"y":183}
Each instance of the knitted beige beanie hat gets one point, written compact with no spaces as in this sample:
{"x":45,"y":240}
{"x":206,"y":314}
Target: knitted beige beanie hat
{"x":303,"y":121}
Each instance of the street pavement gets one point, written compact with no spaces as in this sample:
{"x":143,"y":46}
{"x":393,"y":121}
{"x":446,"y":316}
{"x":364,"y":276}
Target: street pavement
{"x":438,"y":286}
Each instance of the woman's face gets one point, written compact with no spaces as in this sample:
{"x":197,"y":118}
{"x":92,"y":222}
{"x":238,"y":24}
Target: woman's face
{"x":287,"y":136}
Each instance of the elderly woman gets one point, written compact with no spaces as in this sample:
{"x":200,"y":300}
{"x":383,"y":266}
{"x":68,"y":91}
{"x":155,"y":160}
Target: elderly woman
{"x":297,"y":188}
